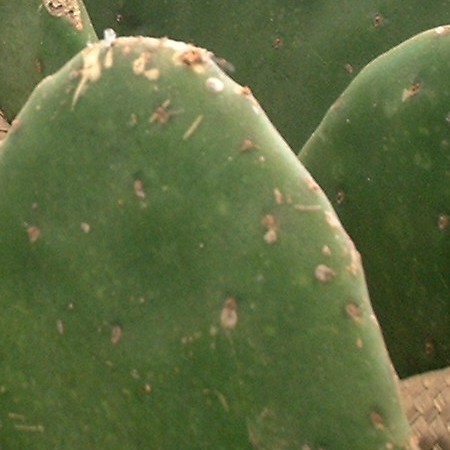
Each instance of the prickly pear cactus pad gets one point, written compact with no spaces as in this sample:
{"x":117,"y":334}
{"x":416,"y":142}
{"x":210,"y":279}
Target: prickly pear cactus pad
{"x":172,"y":277}
{"x":297,"y":56}
{"x":382,"y":153}
{"x":36,"y":38}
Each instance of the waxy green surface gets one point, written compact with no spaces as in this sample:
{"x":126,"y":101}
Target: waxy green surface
{"x":382,"y":155}
{"x":37,"y":37}
{"x":172,"y":277}
{"x":296,"y":55}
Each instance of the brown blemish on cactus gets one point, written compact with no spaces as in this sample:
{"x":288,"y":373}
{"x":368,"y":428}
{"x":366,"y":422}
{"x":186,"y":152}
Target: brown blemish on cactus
{"x":443,"y":222}
{"x":378,"y":21}
{"x":442,"y":30}
{"x":161,"y":114}
{"x":324,"y":274}
{"x":108,"y":61}
{"x":279,"y":197}
{"x":192,"y":57}
{"x":228,"y":316}
{"x":326,"y":251}
{"x":152,"y":74}
{"x":138,"y":187}
{"x":147,"y":389}
{"x":38,"y":66}
{"x":340,"y":197}
{"x":90,"y":72}
{"x":332,"y":219}
{"x":338,"y":104}
{"x":60,"y":327}
{"x":248,"y":144}
{"x":85,"y":227}
{"x":270,"y":223}
{"x":355,"y":265}
{"x":349,"y":68}
{"x":116,"y":334}
{"x":355,"y":312}
{"x":140,"y":63}
{"x":68,"y":9}
{"x":307,"y":208}
{"x":245,"y":90}
{"x":277,"y":43}
{"x":411,"y":91}
{"x":247,"y":93}
{"x":377,"y":420}
{"x":312,"y":185}
{"x":34,"y":233}
{"x":193,"y":127}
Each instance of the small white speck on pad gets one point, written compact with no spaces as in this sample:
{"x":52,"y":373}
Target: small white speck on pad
{"x":214,"y":85}
{"x":109,"y":36}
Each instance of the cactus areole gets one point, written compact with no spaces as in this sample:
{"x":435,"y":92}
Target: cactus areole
{"x":172,"y":277}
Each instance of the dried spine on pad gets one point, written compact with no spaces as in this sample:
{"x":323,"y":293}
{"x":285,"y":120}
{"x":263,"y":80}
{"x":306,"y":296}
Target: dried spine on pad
{"x":69,"y":9}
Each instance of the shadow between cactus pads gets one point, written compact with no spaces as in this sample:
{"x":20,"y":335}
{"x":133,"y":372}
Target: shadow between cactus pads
{"x":172,"y":277}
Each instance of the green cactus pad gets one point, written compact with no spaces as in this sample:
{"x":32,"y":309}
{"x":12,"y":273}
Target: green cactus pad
{"x":172,"y":277}
{"x":297,"y":56}
{"x":382,"y":154}
{"x":37,"y":37}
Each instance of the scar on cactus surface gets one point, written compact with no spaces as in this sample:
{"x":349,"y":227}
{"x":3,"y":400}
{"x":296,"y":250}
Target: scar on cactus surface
{"x":172,"y":277}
